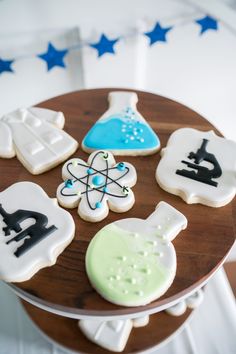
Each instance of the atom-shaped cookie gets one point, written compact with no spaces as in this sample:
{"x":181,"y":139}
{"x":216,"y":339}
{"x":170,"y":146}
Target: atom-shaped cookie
{"x":97,"y":186}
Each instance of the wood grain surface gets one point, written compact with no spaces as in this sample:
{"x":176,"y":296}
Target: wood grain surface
{"x":200,"y":249}
{"x":65,"y":331}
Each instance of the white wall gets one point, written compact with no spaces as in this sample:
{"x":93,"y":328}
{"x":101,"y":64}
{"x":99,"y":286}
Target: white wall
{"x":198,"y":71}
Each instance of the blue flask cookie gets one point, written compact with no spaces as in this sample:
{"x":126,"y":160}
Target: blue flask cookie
{"x":121,"y":129}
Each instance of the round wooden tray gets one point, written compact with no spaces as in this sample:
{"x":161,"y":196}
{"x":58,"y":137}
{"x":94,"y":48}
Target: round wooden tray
{"x":66,"y":333}
{"x":201,"y":249}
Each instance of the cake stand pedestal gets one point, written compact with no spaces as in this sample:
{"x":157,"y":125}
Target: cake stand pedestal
{"x":66,"y":333}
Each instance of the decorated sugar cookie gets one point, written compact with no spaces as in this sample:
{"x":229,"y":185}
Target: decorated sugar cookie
{"x":192,"y":302}
{"x":121,"y":129}
{"x":111,"y":335}
{"x":132,"y":262}
{"x":34,"y":230}
{"x":198,"y":166}
{"x":36,"y":137}
{"x":97,"y":186}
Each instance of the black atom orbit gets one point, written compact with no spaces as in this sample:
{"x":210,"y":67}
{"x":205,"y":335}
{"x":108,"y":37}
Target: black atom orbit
{"x":85,"y":180}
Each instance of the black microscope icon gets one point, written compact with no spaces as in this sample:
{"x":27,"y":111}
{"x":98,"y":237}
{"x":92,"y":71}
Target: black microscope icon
{"x":202,"y":173}
{"x":31,"y":235}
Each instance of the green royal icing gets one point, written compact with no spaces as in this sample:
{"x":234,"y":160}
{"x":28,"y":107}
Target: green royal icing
{"x":124,"y":266}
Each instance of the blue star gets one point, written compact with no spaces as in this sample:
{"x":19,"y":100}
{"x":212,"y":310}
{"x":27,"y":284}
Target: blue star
{"x":207,"y":23}
{"x":104,"y":45}
{"x":5,"y":65}
{"x":158,"y":34}
{"x":54,"y":57}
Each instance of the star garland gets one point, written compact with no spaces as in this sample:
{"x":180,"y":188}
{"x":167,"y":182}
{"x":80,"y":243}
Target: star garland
{"x":5,"y":66}
{"x":54,"y":57}
{"x":104,"y":45}
{"x":158,"y":34}
{"x":207,"y":23}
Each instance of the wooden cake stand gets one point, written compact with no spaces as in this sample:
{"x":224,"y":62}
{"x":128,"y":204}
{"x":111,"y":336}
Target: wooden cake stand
{"x":64,"y":289}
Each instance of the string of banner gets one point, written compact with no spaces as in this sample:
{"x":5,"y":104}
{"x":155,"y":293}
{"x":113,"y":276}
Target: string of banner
{"x":54,"y":57}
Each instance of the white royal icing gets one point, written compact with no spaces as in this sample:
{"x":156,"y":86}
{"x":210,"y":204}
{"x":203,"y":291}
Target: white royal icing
{"x":42,"y":227}
{"x":6,"y":143}
{"x":132,"y":262}
{"x":35,"y":135}
{"x":97,"y":185}
{"x":210,"y":180}
{"x":112,"y":335}
{"x":192,"y":302}
{"x":141,"y":321}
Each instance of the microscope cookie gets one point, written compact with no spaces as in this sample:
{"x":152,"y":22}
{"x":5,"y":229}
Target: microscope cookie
{"x":34,"y":231}
{"x":198,"y":166}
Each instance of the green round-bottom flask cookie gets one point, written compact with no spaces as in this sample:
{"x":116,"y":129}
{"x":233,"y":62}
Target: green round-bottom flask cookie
{"x":132,"y":262}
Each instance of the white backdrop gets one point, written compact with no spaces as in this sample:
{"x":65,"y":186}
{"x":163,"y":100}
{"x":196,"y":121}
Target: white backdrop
{"x":198,"y":71}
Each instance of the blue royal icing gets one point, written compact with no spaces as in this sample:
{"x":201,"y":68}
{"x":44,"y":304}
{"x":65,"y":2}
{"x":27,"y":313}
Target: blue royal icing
{"x":121,"y":166}
{"x":121,"y":132}
{"x":89,"y":171}
{"x":98,"y":180}
{"x":98,"y":205}
{"x":69,"y":183}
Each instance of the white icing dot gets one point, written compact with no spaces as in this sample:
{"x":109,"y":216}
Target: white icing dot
{"x":139,"y":293}
{"x":127,"y":135}
{"x":162,"y":237}
{"x":134,"y":266}
{"x":159,"y":254}
{"x":117,"y":277}
{"x":135,"y":133}
{"x":125,"y":291}
{"x":126,"y":141}
{"x":159,"y":227}
{"x":154,"y":243}
{"x":144,"y":253}
{"x":111,"y":278}
{"x":147,"y":270}
{"x":134,"y":234}
{"x":131,"y":137}
{"x":123,"y":130}
{"x":123,"y":125}
{"x":166,"y":243}
{"x":142,"y":140}
{"x":123,"y":258}
{"x":133,"y":281}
